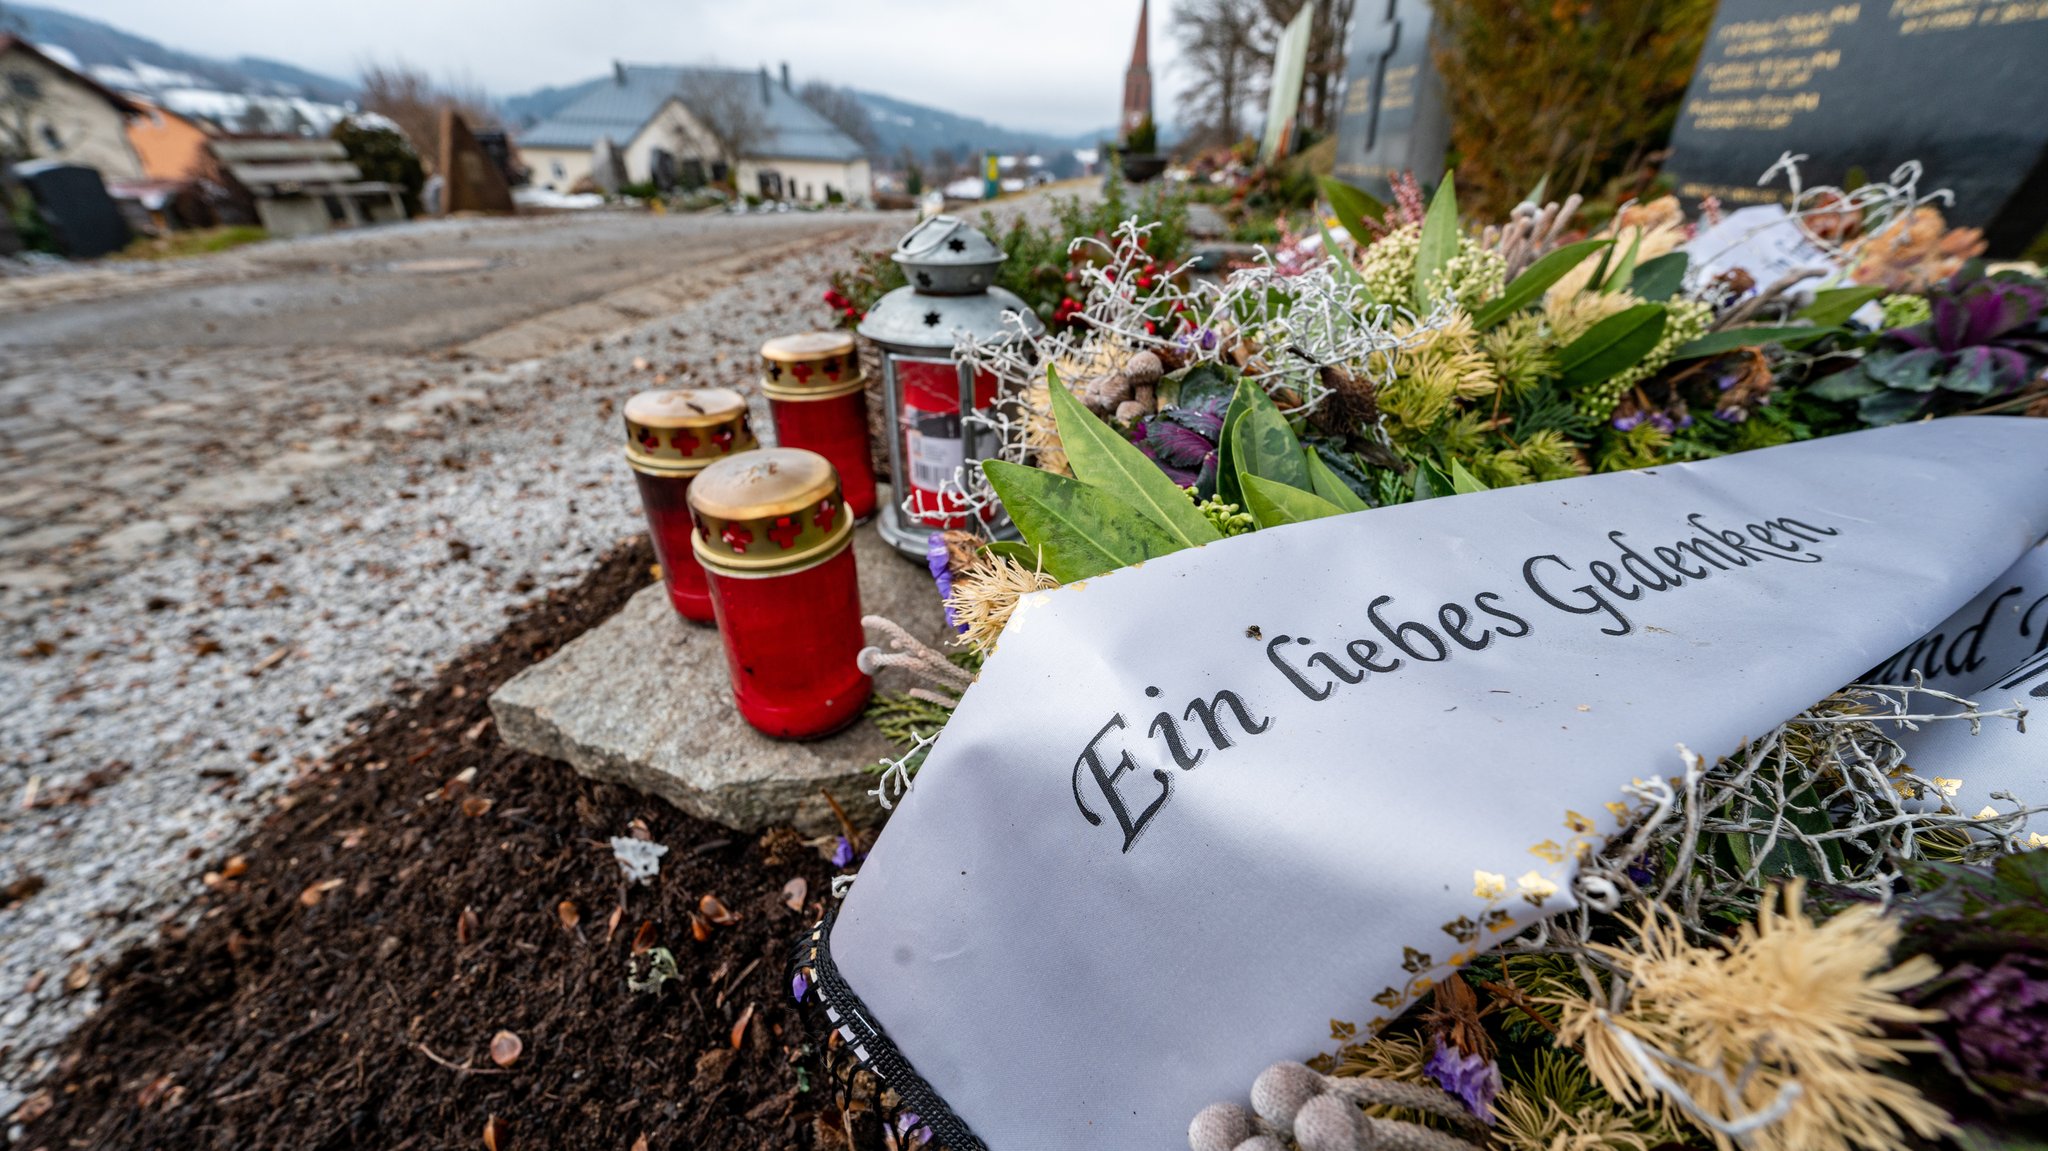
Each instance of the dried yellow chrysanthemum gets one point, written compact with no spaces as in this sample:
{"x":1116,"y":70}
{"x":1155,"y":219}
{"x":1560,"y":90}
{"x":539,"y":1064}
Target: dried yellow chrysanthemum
{"x":1790,"y":1015}
{"x":986,"y":593}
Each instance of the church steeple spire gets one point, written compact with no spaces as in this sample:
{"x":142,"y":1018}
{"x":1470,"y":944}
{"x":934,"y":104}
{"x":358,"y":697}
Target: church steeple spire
{"x":1138,"y":78}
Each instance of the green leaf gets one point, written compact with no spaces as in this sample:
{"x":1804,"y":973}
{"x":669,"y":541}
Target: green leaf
{"x":1330,"y":486}
{"x":1464,"y":482}
{"x":1103,"y":459}
{"x":1535,"y":280}
{"x":1439,"y":241}
{"x":1262,"y":443}
{"x":1659,"y":279}
{"x":1227,"y":487}
{"x":1023,"y":553}
{"x":1626,"y":268}
{"x":1273,"y":504}
{"x":1832,"y":307}
{"x":1535,"y":195}
{"x":1081,"y":531}
{"x":1727,"y":340}
{"x":1612,"y":346}
{"x":1429,"y":481}
{"x":1345,"y":269}
{"x":1353,"y":207}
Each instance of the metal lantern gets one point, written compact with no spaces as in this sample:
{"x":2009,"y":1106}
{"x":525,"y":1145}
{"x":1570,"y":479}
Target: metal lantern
{"x":936,"y":407}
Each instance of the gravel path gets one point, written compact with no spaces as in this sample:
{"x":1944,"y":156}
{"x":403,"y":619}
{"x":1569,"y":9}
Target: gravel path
{"x":358,"y":517}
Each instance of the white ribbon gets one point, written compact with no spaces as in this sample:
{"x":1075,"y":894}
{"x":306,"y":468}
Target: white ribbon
{"x":1195,"y":809}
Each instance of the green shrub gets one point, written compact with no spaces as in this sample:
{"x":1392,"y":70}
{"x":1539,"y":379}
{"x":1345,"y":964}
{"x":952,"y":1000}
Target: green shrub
{"x":383,"y":155}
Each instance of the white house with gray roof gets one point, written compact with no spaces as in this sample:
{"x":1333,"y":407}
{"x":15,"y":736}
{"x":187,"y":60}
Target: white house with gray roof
{"x":644,"y":110}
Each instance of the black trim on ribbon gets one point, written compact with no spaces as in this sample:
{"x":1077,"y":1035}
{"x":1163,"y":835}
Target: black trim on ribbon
{"x":862,"y":1036}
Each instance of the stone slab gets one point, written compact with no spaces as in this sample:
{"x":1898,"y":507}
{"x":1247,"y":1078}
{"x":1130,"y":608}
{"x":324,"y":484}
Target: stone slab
{"x":643,"y":699}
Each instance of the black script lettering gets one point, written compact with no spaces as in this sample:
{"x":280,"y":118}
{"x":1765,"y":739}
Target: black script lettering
{"x":1163,"y":725}
{"x":1399,"y":635}
{"x":1803,"y":530}
{"x":1455,"y":619}
{"x":1207,"y":710}
{"x":1521,"y":625}
{"x":1974,"y":659}
{"x":1608,"y":577}
{"x":1322,"y":659}
{"x":1640,"y":567}
{"x":1595,"y":602}
{"x":1293,"y":676}
{"x":1672,"y":560}
{"x":1106,"y":781}
{"x":1372,"y":652}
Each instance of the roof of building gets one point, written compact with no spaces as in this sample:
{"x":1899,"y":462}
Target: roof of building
{"x":11,"y":42}
{"x":636,"y":92}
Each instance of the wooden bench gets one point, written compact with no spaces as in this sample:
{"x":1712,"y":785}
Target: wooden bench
{"x":305,"y":187}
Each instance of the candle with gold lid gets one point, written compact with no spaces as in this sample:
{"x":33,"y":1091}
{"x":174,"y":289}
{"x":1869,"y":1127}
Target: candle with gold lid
{"x":774,"y":536}
{"x":671,"y":436}
{"x":818,"y":396}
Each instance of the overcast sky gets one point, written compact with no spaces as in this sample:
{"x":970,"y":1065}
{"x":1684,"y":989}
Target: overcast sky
{"x":1051,"y":65}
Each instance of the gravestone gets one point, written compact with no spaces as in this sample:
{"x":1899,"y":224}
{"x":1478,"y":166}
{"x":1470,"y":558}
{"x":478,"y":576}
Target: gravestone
{"x":1954,"y":84}
{"x":82,"y":218}
{"x":1394,"y":117}
{"x":473,"y":182}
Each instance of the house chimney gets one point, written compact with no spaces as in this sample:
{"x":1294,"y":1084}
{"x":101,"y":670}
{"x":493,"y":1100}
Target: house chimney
{"x":767,"y":90}
{"x":785,"y":79}
{"x":619,"y":73}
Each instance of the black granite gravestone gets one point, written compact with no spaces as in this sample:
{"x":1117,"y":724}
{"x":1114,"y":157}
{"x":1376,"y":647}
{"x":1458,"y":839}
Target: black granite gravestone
{"x":82,"y":218}
{"x":1394,"y":117}
{"x":1958,"y":85}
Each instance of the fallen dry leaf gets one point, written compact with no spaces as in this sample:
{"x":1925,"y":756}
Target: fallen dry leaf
{"x":640,"y":1144}
{"x":638,"y":830}
{"x":312,"y":895}
{"x":643,"y":939}
{"x":466,"y":926}
{"x":653,"y":572}
{"x":793,"y":893}
{"x":153,"y":1091}
{"x":475,"y":806}
{"x":496,"y":1138}
{"x":713,"y":909}
{"x":570,"y":915}
{"x":612,"y":928}
{"x":34,"y":1108}
{"x":235,"y":867}
{"x":505,"y":1048}
{"x":77,"y":978}
{"x":739,"y":1029}
{"x":269,"y":661}
{"x":353,"y":837}
{"x":456,"y":786}
{"x":699,"y":929}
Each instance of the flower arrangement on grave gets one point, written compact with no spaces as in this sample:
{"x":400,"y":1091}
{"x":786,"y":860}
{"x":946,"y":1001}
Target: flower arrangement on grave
{"x":1738,"y":970}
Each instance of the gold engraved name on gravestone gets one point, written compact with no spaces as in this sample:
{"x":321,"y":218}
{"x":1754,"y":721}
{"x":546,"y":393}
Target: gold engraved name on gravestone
{"x":1763,"y":77}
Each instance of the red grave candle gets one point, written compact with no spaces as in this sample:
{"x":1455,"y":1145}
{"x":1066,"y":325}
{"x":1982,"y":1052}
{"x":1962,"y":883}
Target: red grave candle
{"x":775,"y":539}
{"x":818,"y":397}
{"x":671,"y":436}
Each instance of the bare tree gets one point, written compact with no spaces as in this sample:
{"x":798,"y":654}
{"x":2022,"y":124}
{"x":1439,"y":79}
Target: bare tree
{"x":845,"y":112}
{"x":413,"y":100}
{"x":1219,"y":45}
{"x":730,"y":106}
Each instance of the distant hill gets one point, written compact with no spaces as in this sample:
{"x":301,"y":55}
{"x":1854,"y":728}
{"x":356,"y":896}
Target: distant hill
{"x":898,"y":124}
{"x":98,"y":45}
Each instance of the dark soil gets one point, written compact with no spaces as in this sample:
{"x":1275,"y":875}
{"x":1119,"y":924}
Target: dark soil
{"x":344,"y":977}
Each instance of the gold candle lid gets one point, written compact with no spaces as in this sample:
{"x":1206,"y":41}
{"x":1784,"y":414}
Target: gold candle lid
{"x":811,"y":366}
{"x":678,"y":431}
{"x":768,"y":512}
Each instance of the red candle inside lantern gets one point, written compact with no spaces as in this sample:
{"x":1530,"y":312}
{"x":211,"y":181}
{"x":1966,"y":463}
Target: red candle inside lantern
{"x":935,"y":438}
{"x":818,"y":396}
{"x":671,"y":436}
{"x":775,"y":538}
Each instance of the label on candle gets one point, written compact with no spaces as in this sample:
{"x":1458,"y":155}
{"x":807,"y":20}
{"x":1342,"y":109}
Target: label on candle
{"x":935,"y":461}
{"x":1195,"y":809}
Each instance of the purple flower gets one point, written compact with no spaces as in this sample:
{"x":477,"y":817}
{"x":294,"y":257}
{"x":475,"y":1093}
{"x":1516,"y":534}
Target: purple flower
{"x":1473,"y":1078}
{"x":1996,"y":1034}
{"x":1726,"y":380}
{"x":1733,"y":415}
{"x":843,"y":855}
{"x":940,"y":561}
{"x":1627,"y":423}
{"x":798,"y":985}
{"x":1661,"y":422}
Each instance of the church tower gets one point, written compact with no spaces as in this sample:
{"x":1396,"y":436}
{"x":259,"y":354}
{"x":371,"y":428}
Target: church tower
{"x":1138,"y":78}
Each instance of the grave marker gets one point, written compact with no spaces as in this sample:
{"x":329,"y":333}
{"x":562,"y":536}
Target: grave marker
{"x":1954,"y":84}
{"x":1394,"y":117}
